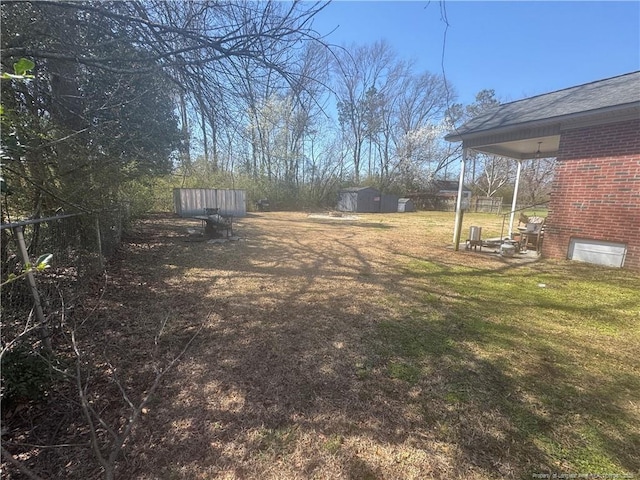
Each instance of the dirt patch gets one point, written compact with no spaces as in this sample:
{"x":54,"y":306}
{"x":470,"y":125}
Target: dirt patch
{"x":333,"y":216}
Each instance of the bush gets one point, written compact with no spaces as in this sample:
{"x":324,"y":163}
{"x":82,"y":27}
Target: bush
{"x":26,"y":375}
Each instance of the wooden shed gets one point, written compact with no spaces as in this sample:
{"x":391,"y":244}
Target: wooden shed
{"x":188,"y":202}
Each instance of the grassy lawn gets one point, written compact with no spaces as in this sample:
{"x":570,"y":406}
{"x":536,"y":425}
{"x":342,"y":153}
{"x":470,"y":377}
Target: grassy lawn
{"x":364,"y":349}
{"x":541,"y":361}
{"x":542,"y":357}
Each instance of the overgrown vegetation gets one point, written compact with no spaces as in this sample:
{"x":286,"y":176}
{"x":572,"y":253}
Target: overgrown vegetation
{"x":26,"y":375}
{"x":114,"y":87}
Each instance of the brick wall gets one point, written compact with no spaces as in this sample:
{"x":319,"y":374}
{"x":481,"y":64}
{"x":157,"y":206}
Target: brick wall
{"x":596,"y":190}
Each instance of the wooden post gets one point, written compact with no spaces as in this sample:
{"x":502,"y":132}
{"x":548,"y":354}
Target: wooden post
{"x":99,"y":242}
{"x":22,"y":247}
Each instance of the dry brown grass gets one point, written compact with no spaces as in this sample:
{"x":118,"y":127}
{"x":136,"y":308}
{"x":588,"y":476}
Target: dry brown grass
{"x":300,"y":371}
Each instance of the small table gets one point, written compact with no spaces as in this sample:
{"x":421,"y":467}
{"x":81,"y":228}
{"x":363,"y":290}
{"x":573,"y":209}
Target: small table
{"x":526,"y":233}
{"x":216,"y":223}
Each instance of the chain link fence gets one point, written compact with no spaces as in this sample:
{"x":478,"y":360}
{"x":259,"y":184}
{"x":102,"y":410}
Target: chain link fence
{"x":79,"y":245}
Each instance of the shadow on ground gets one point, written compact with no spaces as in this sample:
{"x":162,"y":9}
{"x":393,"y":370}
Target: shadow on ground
{"x":321,"y":357}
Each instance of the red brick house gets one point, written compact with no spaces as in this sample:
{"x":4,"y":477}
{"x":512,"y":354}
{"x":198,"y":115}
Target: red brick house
{"x":594,"y":132}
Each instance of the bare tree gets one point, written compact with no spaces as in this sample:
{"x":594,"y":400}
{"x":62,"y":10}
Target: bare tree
{"x":423,"y":101}
{"x":361,"y":73}
{"x":536,"y":178}
{"x":421,"y":153}
{"x":185,"y":34}
{"x":496,"y":172}
{"x":485,"y":100}
{"x":384,"y":105}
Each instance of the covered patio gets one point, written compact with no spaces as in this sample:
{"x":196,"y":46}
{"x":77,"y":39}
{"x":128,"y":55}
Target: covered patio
{"x":592,"y":130}
{"x":518,"y":146}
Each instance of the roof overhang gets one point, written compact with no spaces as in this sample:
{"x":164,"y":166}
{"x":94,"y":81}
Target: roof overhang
{"x":532,"y":127}
{"x":540,"y":138}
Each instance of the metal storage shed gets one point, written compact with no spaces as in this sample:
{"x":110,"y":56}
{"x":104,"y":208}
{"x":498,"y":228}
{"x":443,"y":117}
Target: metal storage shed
{"x":366,"y":200}
{"x":406,"y":205}
{"x":188,"y":202}
{"x":359,"y":199}
{"x":389,"y":203}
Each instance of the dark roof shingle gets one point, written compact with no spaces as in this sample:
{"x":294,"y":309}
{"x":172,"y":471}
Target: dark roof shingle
{"x":603,"y":94}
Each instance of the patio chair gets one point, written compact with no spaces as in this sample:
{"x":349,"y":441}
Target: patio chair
{"x":532,"y":233}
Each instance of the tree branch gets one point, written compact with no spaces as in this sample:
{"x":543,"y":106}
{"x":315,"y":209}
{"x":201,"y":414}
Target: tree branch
{"x":19,"y":465}
{"x":120,"y":437}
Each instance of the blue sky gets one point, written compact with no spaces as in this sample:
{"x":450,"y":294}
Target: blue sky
{"x":519,"y":49}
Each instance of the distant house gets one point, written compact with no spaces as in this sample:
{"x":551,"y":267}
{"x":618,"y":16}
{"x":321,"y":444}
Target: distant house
{"x":448,"y":189}
{"x":366,"y":200}
{"x":440,"y":195}
{"x":594,"y":132}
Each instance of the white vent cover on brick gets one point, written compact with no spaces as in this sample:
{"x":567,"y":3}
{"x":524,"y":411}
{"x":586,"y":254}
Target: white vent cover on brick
{"x":598,"y":252}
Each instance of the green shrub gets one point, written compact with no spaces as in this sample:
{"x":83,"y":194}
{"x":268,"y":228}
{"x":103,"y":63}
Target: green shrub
{"x":26,"y":375}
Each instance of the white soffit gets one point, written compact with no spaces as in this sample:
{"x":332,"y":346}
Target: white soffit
{"x":523,"y":149}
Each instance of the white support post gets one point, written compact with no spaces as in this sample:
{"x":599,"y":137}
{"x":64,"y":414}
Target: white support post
{"x":458,"y":226}
{"x":514,"y":203}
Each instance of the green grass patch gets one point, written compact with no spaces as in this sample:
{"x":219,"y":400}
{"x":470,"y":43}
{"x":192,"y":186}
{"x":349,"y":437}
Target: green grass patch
{"x":334,"y":444}
{"x":549,"y":349}
{"x":404,"y":371}
{"x":276,"y":441}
